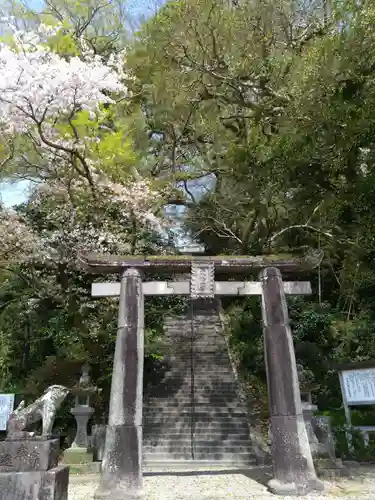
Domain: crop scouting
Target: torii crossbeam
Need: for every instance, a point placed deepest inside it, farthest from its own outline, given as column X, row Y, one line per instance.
column 121, row 477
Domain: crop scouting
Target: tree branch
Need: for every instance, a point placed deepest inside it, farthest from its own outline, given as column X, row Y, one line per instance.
column 299, row 226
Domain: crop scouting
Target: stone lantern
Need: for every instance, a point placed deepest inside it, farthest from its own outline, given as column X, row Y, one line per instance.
column 82, row 411
column 319, row 431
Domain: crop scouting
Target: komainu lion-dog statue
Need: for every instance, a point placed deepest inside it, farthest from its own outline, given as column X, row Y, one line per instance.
column 44, row 408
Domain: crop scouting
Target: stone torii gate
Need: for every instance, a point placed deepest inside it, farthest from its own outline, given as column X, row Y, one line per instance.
column 293, row 467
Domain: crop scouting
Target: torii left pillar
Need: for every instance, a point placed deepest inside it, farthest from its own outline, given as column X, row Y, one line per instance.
column 121, row 477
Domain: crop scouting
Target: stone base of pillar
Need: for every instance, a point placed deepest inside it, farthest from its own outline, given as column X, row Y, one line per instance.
column 294, row 472
column 122, row 464
column 331, row 468
column 120, row 494
column 295, row 489
column 76, row 455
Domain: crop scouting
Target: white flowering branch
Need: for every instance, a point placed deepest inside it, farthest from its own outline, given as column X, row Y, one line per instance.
column 40, row 91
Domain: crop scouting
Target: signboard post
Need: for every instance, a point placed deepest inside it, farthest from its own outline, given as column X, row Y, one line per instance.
column 6, row 408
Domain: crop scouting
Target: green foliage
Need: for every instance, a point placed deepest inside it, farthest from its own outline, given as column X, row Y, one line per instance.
column 261, row 118
column 322, row 339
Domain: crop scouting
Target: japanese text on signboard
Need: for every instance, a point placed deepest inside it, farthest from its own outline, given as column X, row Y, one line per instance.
column 6, row 408
column 359, row 386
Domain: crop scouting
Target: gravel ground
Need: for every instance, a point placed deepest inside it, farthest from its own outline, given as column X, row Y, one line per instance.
column 225, row 484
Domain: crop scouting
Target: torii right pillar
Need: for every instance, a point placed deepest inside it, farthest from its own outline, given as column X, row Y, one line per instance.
column 293, row 468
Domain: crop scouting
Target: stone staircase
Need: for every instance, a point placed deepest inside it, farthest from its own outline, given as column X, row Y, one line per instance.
column 191, row 411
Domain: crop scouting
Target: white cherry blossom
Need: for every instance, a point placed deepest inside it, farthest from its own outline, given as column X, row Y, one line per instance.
column 40, row 89
column 17, row 239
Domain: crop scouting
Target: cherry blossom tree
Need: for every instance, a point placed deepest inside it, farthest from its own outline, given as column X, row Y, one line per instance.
column 58, row 109
column 70, row 220
column 61, row 219
column 17, row 239
column 43, row 97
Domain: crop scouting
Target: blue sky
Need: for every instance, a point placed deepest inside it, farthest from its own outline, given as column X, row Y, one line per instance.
column 13, row 194
column 135, row 7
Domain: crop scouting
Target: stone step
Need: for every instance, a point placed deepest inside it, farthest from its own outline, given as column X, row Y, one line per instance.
column 185, row 391
column 199, row 451
column 203, row 357
column 191, row 341
column 185, row 441
column 185, row 372
column 198, row 404
column 213, row 385
column 166, row 420
column 165, row 428
column 180, row 330
column 198, row 318
column 227, row 417
column 186, row 396
column 201, row 393
column 206, row 440
column 197, row 412
column 196, row 386
column 220, row 375
column 211, row 435
column 220, row 421
column 202, row 328
column 185, row 355
column 201, row 325
column 183, row 348
column 210, row 385
column 217, row 425
column 215, row 432
column 198, row 409
column 197, row 329
column 186, row 335
column 223, row 458
column 182, row 367
column 198, row 398
column 184, row 445
column 204, row 351
column 177, row 385
column 208, row 367
column 151, row 463
column 180, row 335
column 188, row 343
column 150, row 434
column 151, row 438
column 199, row 442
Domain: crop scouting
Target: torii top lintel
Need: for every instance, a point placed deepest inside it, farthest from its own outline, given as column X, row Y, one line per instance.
column 101, row 263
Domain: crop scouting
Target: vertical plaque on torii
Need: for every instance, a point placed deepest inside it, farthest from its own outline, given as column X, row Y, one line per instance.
column 202, row 280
